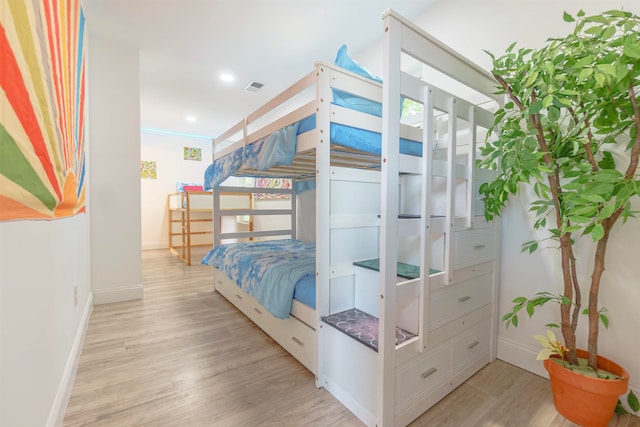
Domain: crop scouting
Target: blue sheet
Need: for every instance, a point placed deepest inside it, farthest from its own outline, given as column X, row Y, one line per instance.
column 305, row 291
column 281, row 149
column 269, row 271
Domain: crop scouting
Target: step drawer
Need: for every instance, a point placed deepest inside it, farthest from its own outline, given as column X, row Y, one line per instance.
column 472, row 247
column 470, row 345
column 420, row 376
column 454, row 301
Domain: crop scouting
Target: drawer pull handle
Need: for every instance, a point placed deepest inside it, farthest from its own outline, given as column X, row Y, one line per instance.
column 238, row 296
column 479, row 246
column 431, row 371
column 465, row 298
column 257, row 310
column 473, row 344
column 219, row 282
column 297, row 341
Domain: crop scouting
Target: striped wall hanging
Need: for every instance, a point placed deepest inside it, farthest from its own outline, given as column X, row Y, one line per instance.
column 42, row 159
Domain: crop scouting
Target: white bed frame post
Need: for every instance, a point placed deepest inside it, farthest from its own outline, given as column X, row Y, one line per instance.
column 389, row 220
column 217, row 218
column 323, row 211
column 451, row 189
column 425, row 212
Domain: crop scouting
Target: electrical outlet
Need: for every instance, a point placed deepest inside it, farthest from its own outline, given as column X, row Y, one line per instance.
column 75, row 295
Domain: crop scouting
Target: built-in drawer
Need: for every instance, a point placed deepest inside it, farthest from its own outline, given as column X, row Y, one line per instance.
column 420, row 376
column 259, row 315
column 298, row 339
column 230, row 290
column 453, row 301
column 472, row 247
column 470, row 345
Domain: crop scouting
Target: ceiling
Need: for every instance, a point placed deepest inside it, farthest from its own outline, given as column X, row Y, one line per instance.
column 185, row 45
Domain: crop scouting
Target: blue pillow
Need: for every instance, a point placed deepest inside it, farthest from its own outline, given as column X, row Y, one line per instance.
column 347, row 100
column 343, row 60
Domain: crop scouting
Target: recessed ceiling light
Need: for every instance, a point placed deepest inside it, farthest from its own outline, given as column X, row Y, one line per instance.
column 191, row 119
column 226, row 77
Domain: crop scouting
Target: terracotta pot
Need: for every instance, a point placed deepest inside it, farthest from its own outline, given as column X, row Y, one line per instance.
column 584, row 400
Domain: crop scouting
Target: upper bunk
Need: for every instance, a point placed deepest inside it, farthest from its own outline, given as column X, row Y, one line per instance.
column 340, row 104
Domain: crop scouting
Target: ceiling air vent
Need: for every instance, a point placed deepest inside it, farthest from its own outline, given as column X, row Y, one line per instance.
column 253, row 87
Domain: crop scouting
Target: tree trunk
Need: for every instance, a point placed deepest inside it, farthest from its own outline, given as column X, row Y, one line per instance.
column 594, row 315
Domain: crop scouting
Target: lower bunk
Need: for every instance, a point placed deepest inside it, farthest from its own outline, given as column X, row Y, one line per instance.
column 273, row 284
column 296, row 334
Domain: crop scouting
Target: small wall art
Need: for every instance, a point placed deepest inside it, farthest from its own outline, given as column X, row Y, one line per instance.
column 148, row 170
column 192, row 153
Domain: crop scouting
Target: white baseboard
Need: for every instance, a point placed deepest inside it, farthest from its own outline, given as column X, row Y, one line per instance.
column 521, row 356
column 59, row 408
column 119, row 294
column 155, row 245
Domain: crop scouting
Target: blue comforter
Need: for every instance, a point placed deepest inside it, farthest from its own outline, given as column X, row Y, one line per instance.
column 267, row 270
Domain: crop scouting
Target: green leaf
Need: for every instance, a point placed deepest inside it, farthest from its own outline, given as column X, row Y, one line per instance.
column 603, row 189
column 609, row 69
column 532, row 78
column 514, row 321
column 530, row 308
column 620, row 409
column 605, row 321
column 567, row 17
column 585, row 73
column 579, row 219
column 607, row 161
column 608, row 33
column 632, row 400
column 632, row 47
column 606, row 211
column 597, row 233
column 592, row 198
column 552, row 325
column 536, row 107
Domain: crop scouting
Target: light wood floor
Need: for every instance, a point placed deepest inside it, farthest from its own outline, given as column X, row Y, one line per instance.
column 184, row 356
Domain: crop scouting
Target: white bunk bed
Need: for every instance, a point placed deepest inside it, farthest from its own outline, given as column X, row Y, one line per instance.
column 383, row 219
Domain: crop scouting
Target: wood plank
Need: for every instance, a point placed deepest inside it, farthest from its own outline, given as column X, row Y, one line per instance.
column 184, row 356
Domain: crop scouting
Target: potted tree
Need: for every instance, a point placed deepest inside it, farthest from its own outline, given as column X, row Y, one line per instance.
column 570, row 128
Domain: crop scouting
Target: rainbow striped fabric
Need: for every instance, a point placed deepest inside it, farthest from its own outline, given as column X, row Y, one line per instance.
column 42, row 77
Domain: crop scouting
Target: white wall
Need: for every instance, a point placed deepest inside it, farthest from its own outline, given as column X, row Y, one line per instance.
column 41, row 329
column 114, row 156
column 493, row 25
column 167, row 150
